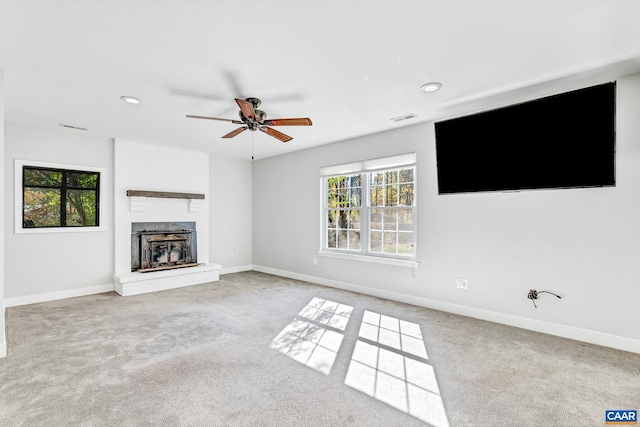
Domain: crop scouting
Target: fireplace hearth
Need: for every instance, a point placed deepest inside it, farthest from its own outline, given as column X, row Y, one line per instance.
column 157, row 246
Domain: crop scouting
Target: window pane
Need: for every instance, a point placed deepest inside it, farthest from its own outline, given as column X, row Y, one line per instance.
column 59, row 197
column 405, row 243
column 82, row 180
column 377, row 178
column 354, row 240
column 392, row 195
column 81, row 208
column 332, row 199
column 354, row 219
column 343, row 239
column 377, row 196
column 390, row 219
column 343, row 182
column 390, row 245
column 405, row 219
column 375, row 241
column 41, row 207
column 332, row 183
column 406, row 175
column 343, row 198
column 391, row 177
column 332, row 219
column 331, row 239
column 343, row 218
column 356, row 180
column 375, row 222
column 406, row 194
column 356, row 197
column 42, row 177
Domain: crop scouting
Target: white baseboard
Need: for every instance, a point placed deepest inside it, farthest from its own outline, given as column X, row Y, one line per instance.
column 593, row 337
column 52, row 296
column 71, row 293
column 236, row 269
column 599, row 338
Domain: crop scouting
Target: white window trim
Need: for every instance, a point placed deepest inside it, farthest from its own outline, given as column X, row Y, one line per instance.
column 367, row 166
column 408, row 159
column 19, row 197
column 370, row 258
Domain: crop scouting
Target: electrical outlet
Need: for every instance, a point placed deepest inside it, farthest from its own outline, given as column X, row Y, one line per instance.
column 462, row 284
column 315, row 261
column 231, row 254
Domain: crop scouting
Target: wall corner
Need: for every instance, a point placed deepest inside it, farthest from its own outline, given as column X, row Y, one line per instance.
column 3, row 341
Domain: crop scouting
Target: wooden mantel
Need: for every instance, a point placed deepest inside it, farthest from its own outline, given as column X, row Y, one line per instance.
column 163, row 194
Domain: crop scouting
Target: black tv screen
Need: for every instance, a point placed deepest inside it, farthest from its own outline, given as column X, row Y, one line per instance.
column 562, row 141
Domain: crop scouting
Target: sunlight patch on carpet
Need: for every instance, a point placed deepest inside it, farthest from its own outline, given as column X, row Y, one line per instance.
column 395, row 333
column 388, row 364
column 313, row 339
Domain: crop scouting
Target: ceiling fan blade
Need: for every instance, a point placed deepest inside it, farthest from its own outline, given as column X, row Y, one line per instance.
column 238, row 122
column 235, row 132
column 192, row 94
column 233, row 81
column 247, row 108
column 288, row 122
column 276, row 134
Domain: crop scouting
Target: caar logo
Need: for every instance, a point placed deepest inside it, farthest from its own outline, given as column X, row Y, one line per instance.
column 621, row 417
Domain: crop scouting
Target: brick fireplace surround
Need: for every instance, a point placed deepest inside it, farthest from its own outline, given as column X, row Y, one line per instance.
column 145, row 193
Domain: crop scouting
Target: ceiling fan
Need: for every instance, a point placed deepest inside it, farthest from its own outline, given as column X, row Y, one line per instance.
column 253, row 119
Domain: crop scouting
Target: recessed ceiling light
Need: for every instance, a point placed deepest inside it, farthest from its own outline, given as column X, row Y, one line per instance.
column 431, row 87
column 130, row 99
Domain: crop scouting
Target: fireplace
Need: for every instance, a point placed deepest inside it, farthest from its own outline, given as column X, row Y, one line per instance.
column 159, row 246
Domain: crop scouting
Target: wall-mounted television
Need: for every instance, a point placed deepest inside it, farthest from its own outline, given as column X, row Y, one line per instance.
column 562, row 141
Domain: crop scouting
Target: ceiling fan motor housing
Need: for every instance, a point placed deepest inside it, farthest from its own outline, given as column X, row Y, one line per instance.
column 254, row 101
column 260, row 117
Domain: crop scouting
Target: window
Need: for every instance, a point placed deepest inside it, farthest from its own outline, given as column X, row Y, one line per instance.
column 56, row 197
column 369, row 208
column 344, row 204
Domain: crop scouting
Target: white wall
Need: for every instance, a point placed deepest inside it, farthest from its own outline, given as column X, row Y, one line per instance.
column 85, row 262
column 147, row 167
column 580, row 243
column 230, row 184
column 37, row 264
column 3, row 341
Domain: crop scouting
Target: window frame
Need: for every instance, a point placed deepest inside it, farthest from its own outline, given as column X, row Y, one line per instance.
column 366, row 169
column 19, row 166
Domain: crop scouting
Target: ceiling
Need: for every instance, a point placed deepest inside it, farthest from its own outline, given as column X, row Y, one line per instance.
column 349, row 65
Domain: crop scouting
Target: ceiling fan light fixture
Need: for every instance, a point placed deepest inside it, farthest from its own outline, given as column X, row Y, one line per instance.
column 130, row 99
column 431, row 87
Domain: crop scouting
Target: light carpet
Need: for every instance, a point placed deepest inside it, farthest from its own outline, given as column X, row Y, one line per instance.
column 261, row 350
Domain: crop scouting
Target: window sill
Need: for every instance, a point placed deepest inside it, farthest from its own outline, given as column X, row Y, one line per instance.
column 44, row 230
column 373, row 259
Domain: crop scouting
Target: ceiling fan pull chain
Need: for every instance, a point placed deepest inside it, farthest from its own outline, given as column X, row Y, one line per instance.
column 251, row 145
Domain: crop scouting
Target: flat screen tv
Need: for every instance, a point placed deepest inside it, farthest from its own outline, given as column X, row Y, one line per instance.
column 562, row 141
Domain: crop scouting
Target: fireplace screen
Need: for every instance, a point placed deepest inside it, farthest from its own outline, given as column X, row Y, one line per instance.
column 162, row 245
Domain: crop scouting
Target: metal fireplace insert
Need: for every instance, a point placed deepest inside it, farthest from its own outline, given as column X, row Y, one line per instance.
column 163, row 245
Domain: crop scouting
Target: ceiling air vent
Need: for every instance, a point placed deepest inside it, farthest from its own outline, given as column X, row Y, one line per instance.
column 72, row 127
column 405, row 117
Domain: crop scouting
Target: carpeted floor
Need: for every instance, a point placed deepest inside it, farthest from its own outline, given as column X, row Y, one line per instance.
column 261, row 350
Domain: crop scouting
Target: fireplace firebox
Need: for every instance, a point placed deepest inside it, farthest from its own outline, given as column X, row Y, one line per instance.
column 163, row 245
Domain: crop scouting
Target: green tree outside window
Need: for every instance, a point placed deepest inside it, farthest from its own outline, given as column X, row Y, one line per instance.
column 60, row 198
